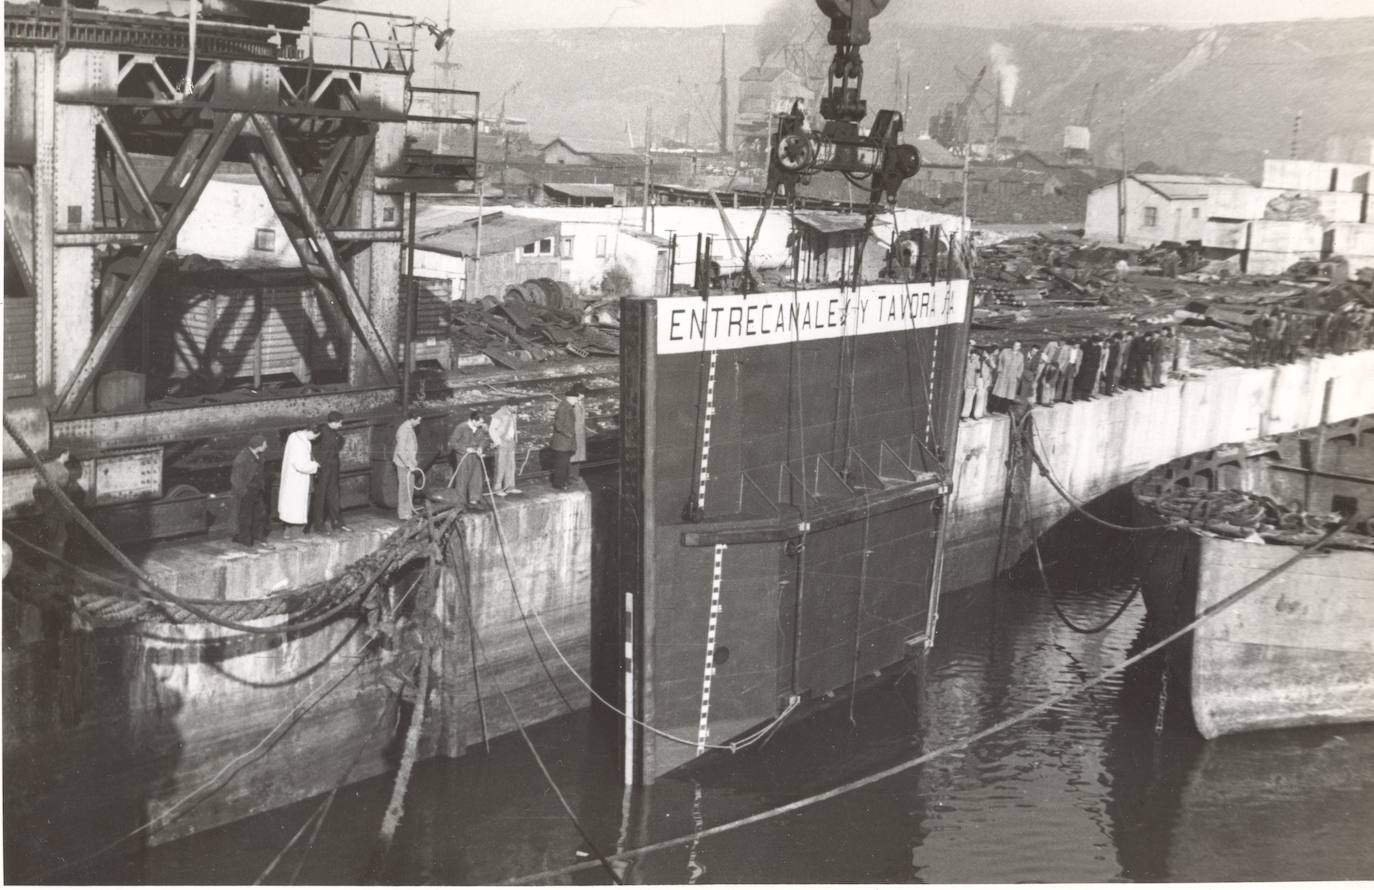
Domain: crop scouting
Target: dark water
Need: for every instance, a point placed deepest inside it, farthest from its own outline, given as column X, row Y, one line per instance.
column 1095, row 790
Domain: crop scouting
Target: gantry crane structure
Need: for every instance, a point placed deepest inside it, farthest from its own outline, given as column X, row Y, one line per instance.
column 118, row 124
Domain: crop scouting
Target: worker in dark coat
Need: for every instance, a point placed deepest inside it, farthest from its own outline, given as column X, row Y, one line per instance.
column 53, row 519
column 1115, row 354
column 1260, row 327
column 248, row 481
column 564, row 440
column 325, row 511
column 469, row 443
column 1089, row 369
column 1293, row 334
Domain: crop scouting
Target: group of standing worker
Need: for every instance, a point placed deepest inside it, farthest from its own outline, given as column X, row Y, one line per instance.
column 1279, row 336
column 307, row 488
column 472, row 440
column 1070, row 370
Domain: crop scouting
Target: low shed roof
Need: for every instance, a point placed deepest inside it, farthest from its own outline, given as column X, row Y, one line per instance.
column 500, row 233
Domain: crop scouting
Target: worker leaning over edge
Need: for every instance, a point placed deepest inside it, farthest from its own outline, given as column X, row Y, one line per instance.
column 469, row 442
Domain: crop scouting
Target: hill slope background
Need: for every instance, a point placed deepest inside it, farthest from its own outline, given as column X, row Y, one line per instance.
column 1216, row 100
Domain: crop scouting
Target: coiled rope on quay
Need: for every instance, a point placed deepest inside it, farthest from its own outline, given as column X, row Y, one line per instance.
column 1001, row 726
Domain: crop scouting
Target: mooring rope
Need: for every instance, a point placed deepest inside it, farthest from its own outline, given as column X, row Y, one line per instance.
column 126, row 604
column 520, row 725
column 161, row 605
column 320, row 813
column 519, row 604
column 1048, row 472
column 299, row 710
column 1002, row 725
column 1058, row 610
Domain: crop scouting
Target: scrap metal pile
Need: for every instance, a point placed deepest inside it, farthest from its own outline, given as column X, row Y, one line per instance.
column 1246, row 515
column 519, row 330
column 1066, row 269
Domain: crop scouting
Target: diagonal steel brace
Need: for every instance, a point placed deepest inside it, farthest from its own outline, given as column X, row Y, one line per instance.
column 227, row 128
column 127, row 165
column 323, row 255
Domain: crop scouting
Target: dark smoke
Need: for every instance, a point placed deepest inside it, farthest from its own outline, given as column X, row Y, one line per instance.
column 786, row 21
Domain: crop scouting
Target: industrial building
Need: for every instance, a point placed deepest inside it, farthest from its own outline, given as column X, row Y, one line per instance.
column 1301, row 210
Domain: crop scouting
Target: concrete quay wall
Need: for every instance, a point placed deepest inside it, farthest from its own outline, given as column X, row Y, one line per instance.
column 108, row 729
column 1096, row 446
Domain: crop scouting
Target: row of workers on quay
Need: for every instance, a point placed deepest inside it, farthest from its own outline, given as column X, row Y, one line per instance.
column 308, row 494
column 1281, row 336
column 1070, row 371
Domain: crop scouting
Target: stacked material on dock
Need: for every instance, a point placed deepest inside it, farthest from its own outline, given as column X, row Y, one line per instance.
column 517, row 331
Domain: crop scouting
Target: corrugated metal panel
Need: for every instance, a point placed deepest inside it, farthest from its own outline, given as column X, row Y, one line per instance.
column 431, row 307
column 21, row 352
column 267, row 330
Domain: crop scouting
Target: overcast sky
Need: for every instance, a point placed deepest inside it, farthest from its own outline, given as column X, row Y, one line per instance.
column 697, row 13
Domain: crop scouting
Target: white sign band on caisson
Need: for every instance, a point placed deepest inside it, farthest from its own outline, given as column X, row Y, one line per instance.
column 737, row 321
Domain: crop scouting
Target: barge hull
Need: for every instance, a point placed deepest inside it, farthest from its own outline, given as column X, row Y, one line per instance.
column 1296, row 652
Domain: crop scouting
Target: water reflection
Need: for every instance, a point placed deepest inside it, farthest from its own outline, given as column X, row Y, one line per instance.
column 1089, row 791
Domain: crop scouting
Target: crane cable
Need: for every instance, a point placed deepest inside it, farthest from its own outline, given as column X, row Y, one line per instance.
column 1020, row 717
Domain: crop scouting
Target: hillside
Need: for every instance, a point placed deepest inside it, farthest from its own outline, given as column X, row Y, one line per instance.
column 1214, row 100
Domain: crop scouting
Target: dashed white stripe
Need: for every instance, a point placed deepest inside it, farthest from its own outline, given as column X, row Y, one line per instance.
column 709, row 671
column 706, row 433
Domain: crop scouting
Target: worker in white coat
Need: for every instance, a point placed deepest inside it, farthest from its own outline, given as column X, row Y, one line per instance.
column 297, row 466
column 503, row 434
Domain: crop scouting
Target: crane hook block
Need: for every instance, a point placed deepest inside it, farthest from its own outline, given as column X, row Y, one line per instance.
column 849, row 20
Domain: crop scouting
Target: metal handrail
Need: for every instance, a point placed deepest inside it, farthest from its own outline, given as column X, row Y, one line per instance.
column 69, row 17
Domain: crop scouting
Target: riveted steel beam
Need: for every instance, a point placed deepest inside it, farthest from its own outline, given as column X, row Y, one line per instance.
column 227, row 128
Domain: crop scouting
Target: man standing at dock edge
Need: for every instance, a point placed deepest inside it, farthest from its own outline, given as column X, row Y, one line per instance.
column 248, row 480
column 564, row 441
column 503, row 435
column 405, row 456
column 297, row 466
column 324, row 501
column 579, row 429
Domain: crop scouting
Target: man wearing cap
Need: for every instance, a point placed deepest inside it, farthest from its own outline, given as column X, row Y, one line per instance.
column 248, row 480
column 564, row 441
column 324, row 505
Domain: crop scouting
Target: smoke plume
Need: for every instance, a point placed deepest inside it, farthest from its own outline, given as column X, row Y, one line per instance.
column 1007, row 73
column 784, row 22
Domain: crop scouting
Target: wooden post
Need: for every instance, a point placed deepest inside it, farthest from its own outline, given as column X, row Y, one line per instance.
column 1321, row 429
column 1318, row 447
